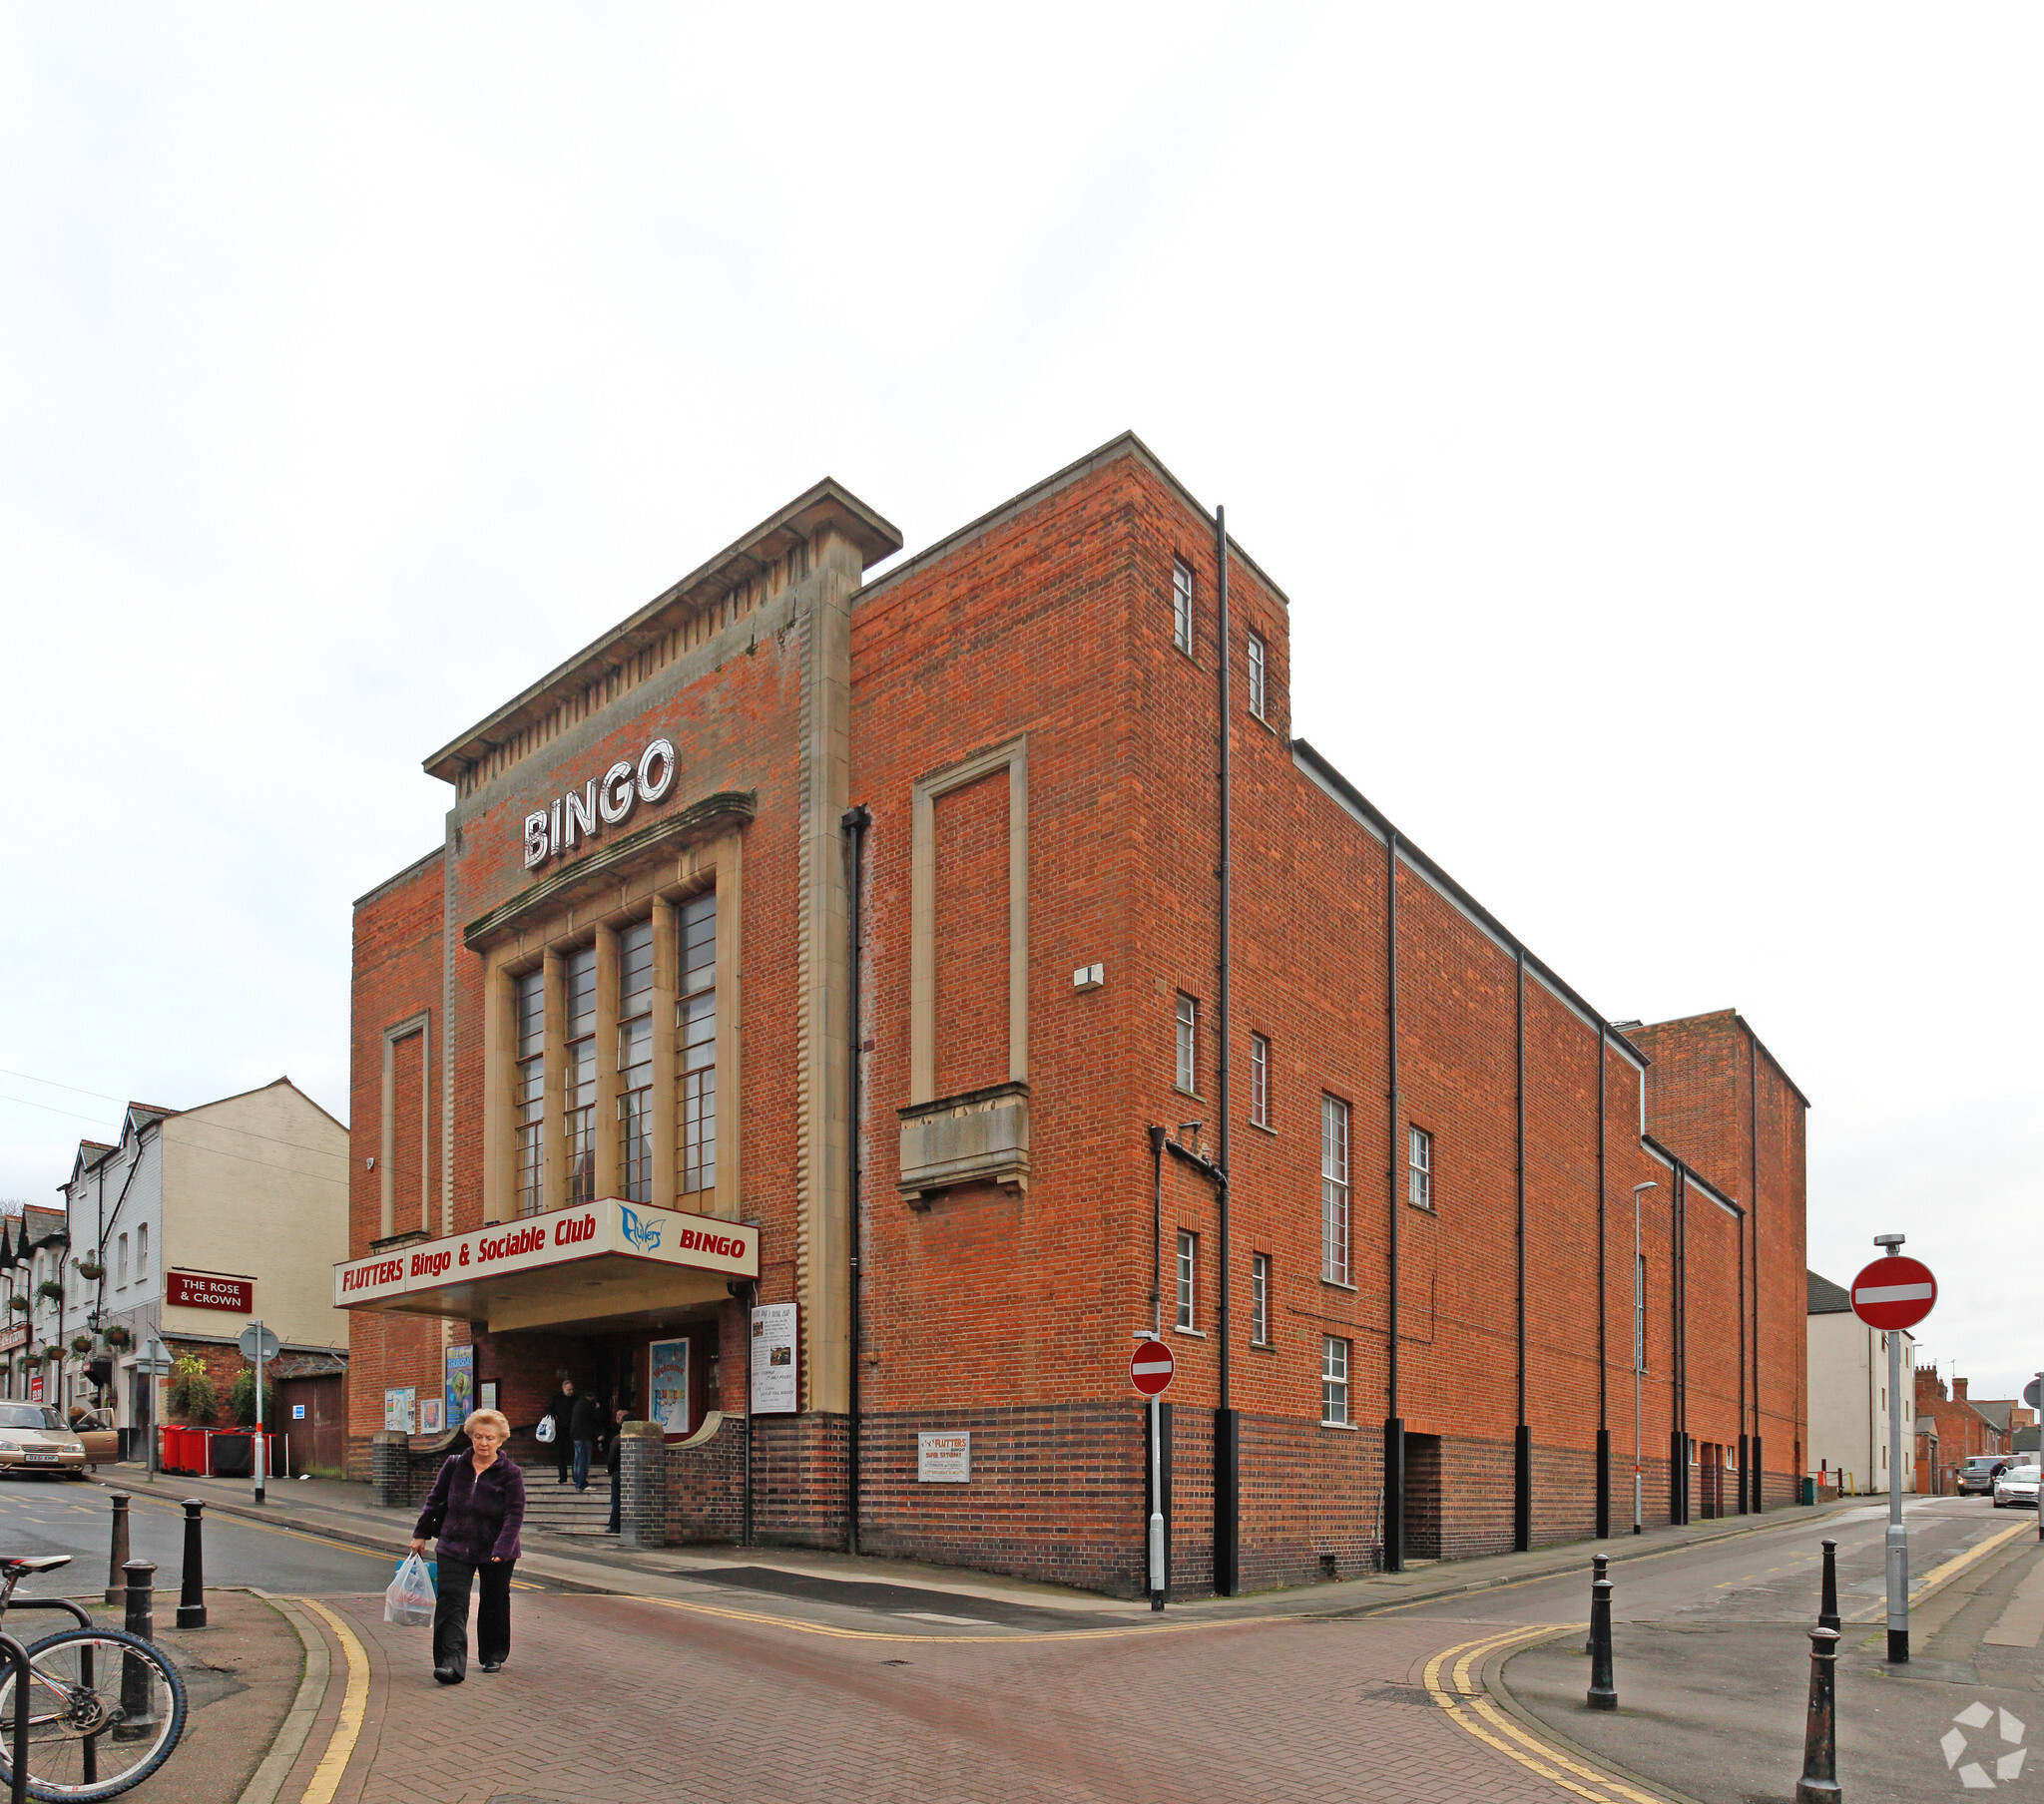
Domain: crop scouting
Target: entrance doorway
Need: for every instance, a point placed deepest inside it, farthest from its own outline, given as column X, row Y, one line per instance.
column 1422, row 1496
column 1709, row 1480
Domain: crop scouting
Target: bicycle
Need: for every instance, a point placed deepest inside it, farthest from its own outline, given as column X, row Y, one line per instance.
column 105, row 1709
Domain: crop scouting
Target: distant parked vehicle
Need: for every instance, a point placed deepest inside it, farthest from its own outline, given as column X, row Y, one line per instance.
column 34, row 1438
column 2016, row 1487
column 1977, row 1475
column 101, row 1438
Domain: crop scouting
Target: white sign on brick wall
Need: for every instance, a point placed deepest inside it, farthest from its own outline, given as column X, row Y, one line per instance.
column 943, row 1458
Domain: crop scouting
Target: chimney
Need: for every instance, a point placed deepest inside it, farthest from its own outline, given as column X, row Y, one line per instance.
column 1958, row 1388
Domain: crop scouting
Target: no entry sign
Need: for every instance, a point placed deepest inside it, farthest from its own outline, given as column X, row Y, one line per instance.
column 1150, row 1367
column 1893, row 1293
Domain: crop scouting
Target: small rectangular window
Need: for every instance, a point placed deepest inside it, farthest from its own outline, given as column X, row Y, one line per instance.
column 142, row 1252
column 1260, row 1080
column 1334, row 1189
column 1257, row 662
column 1419, row 1167
column 120, row 1264
column 1180, row 607
column 1188, row 1030
column 1260, row 1300
column 1187, row 1265
column 1333, row 1382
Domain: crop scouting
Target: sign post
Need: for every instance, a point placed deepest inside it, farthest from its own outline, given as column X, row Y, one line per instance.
column 1150, row 1370
column 2033, row 1395
column 1895, row 1295
column 259, row 1344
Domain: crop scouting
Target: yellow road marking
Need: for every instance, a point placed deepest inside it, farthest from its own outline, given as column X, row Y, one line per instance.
column 1464, row 1702
column 877, row 1635
column 1939, row 1573
column 355, row 1703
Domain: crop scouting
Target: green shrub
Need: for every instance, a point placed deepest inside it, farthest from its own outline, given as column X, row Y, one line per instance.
column 190, row 1390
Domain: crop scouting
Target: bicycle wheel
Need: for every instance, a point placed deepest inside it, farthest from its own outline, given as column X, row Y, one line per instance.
column 104, row 1710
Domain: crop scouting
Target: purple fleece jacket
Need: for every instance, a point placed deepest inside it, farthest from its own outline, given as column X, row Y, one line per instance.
column 479, row 1514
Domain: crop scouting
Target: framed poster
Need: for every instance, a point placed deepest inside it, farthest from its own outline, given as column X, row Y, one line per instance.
column 774, row 1364
column 487, row 1391
column 667, row 1385
column 432, row 1416
column 400, row 1408
column 460, row 1383
column 943, row 1458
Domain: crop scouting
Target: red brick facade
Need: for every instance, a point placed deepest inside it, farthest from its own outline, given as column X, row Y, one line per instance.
column 1005, row 1305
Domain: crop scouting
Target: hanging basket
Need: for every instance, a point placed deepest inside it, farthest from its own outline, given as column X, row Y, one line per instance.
column 119, row 1339
column 20, row 1303
column 53, row 1354
column 31, row 1358
column 52, row 1289
column 81, row 1344
column 91, row 1270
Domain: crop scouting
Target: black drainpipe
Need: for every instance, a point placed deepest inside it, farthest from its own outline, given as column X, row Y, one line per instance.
column 855, row 823
column 1395, row 1424
column 1227, row 1422
column 1753, row 1206
column 1522, row 1436
column 751, row 1301
column 1603, row 1312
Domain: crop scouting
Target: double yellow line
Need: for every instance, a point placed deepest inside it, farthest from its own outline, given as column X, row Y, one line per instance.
column 1460, row 1692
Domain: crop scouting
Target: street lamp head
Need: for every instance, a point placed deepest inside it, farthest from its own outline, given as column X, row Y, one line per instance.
column 1889, row 1241
column 1651, row 1183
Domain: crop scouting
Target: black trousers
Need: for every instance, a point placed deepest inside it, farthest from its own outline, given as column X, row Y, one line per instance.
column 492, row 1616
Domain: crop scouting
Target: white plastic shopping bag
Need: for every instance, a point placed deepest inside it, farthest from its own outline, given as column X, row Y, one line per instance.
column 542, row 1431
column 409, row 1601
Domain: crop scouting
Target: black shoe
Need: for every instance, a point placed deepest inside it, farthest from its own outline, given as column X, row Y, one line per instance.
column 493, row 1666
column 447, row 1675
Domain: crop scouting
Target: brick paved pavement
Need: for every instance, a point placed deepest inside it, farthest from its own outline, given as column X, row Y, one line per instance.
column 615, row 1700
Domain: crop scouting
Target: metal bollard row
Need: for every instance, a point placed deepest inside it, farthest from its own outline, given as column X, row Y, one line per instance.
column 1603, row 1692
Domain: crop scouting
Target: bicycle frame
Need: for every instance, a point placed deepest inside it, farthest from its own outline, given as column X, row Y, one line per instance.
column 16, row 1657
column 9, row 1648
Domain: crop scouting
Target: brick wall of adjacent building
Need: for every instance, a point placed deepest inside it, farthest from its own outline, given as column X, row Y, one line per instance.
column 1009, row 1312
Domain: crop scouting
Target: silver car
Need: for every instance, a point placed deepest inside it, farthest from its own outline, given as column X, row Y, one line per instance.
column 34, row 1438
column 2016, row 1487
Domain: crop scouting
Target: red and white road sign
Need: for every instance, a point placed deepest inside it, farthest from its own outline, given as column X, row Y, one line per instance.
column 1893, row 1293
column 1150, row 1367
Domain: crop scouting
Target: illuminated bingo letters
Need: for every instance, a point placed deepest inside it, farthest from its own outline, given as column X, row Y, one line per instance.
column 603, row 801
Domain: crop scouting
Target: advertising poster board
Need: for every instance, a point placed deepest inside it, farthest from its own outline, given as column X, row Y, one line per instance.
column 667, row 1385
column 487, row 1391
column 773, row 1361
column 460, row 1383
column 432, row 1416
column 943, row 1458
column 400, row 1408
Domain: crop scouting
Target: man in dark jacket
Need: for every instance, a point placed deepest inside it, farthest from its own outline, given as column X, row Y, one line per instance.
column 585, row 1426
column 561, row 1413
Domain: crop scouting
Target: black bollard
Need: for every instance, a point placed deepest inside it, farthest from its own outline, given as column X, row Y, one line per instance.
column 117, row 1581
column 1819, row 1781
column 191, row 1583
column 1603, row 1693
column 137, row 1723
column 1827, row 1605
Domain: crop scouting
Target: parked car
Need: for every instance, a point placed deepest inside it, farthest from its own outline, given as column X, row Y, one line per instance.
column 34, row 1438
column 2016, row 1487
column 102, row 1439
column 1977, row 1475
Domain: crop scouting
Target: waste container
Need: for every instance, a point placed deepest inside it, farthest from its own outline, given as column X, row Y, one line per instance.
column 231, row 1454
column 174, row 1455
column 1809, row 1492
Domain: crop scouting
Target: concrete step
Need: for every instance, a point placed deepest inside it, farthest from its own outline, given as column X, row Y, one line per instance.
column 556, row 1509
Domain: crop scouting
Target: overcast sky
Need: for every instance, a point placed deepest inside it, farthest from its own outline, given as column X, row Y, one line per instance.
column 1640, row 406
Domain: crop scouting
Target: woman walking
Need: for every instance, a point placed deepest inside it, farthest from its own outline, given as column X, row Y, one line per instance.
column 476, row 1507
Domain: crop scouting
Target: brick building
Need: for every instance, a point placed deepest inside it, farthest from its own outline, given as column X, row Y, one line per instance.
column 819, row 910
column 1959, row 1428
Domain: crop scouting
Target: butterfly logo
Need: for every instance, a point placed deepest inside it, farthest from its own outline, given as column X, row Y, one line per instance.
column 645, row 1235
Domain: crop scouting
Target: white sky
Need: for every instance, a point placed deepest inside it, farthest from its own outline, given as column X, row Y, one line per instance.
column 1640, row 405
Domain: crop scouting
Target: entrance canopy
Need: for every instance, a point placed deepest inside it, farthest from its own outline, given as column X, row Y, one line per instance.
column 598, row 1266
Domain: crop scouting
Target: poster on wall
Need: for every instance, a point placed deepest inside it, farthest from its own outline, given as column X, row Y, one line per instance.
column 35, row 1387
column 773, row 1373
column 432, row 1416
column 487, row 1390
column 943, row 1458
column 460, row 1384
column 400, row 1409
column 667, row 1385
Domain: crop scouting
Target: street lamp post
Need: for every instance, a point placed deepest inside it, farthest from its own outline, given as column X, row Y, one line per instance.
column 1897, row 1536
column 1639, row 1347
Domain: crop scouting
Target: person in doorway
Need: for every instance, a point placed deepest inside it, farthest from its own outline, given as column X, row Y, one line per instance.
column 476, row 1507
column 617, row 1465
column 561, row 1412
column 584, row 1424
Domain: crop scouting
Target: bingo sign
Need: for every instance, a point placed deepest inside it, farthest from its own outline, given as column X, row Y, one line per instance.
column 202, row 1291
